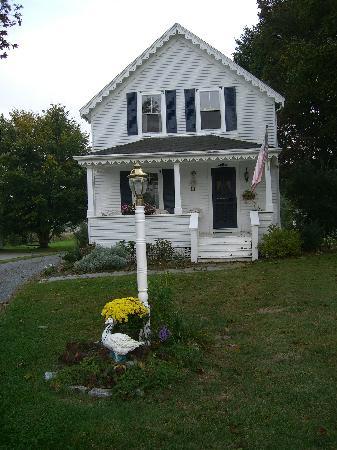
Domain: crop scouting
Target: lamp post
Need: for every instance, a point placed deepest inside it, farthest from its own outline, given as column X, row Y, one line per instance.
column 138, row 185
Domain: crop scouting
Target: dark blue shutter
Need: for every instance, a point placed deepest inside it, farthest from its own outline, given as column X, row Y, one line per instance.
column 131, row 101
column 171, row 115
column 168, row 190
column 126, row 195
column 190, row 110
column 230, row 108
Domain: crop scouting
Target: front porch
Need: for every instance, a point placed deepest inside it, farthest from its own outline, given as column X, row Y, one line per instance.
column 198, row 198
column 182, row 230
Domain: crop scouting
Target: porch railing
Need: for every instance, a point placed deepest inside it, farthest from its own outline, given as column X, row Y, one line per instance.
column 109, row 230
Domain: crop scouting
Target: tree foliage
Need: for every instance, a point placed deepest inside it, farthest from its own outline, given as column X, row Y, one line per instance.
column 10, row 15
column 42, row 187
column 293, row 48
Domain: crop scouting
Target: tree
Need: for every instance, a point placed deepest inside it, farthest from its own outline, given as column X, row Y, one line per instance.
column 10, row 15
column 293, row 48
column 42, row 187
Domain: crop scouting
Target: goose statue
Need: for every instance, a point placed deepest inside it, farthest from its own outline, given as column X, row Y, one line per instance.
column 118, row 343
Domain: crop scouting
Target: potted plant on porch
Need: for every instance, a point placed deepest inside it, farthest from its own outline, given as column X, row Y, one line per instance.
column 248, row 195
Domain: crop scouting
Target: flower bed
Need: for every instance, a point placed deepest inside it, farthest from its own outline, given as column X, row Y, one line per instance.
column 174, row 352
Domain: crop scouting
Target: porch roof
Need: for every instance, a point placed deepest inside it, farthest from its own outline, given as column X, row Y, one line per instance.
column 175, row 149
column 177, row 144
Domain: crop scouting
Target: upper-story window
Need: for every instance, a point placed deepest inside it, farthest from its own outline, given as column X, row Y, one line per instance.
column 210, row 113
column 151, row 113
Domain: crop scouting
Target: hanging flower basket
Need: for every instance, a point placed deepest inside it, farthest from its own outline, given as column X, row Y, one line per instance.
column 248, row 195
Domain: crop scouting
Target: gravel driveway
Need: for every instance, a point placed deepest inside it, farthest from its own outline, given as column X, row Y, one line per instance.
column 14, row 274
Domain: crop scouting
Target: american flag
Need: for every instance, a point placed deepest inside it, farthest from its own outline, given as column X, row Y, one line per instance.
column 261, row 160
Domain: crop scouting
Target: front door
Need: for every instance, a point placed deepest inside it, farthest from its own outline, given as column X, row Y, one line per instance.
column 224, row 197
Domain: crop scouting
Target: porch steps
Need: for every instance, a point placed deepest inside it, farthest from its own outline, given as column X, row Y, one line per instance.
column 228, row 247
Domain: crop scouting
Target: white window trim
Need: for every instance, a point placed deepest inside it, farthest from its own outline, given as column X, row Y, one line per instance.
column 198, row 113
column 140, row 113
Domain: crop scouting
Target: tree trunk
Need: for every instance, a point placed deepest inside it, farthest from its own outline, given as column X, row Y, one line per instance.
column 44, row 238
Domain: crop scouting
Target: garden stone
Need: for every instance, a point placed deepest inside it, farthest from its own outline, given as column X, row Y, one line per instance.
column 99, row 392
column 79, row 388
column 49, row 375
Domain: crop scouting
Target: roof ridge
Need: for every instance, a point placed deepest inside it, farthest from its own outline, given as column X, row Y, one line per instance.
column 177, row 29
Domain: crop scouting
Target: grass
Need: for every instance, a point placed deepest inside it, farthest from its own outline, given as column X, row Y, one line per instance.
column 54, row 247
column 268, row 381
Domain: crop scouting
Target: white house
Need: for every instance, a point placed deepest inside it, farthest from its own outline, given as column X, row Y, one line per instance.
column 195, row 122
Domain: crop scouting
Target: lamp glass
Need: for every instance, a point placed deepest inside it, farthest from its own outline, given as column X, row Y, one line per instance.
column 132, row 186
column 138, row 185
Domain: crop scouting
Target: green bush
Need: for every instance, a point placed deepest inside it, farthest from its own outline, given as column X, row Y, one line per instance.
column 159, row 253
column 102, row 258
column 77, row 253
column 330, row 242
column 81, row 247
column 312, row 236
column 73, row 255
column 81, row 235
column 280, row 243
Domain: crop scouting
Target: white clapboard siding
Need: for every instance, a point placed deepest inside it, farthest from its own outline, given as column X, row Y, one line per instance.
column 200, row 198
column 179, row 65
column 107, row 231
column 107, row 189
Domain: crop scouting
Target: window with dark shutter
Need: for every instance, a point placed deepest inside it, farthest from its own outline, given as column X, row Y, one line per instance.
column 151, row 113
column 230, row 108
column 131, row 102
column 126, row 195
column 168, row 190
column 171, row 111
column 210, row 114
column 190, row 110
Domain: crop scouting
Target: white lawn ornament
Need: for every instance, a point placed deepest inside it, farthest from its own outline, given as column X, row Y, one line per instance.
column 120, row 344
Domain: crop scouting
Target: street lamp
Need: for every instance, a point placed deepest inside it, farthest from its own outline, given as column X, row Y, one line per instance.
column 138, row 185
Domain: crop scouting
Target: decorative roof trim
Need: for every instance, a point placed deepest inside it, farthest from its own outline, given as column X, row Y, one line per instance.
column 210, row 155
column 177, row 29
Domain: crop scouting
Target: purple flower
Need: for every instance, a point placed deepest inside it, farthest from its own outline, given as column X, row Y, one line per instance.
column 164, row 334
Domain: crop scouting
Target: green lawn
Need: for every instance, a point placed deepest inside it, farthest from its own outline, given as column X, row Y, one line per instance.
column 269, row 378
column 54, row 246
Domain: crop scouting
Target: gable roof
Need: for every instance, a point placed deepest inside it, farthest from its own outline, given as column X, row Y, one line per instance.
column 177, row 29
column 177, row 144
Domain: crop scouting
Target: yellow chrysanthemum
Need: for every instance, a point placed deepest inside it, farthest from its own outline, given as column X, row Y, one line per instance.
column 120, row 309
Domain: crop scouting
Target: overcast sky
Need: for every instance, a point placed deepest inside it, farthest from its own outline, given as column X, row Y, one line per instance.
column 69, row 49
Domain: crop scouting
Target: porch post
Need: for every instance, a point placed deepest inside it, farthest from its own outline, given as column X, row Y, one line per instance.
column 90, row 188
column 269, row 195
column 177, row 192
